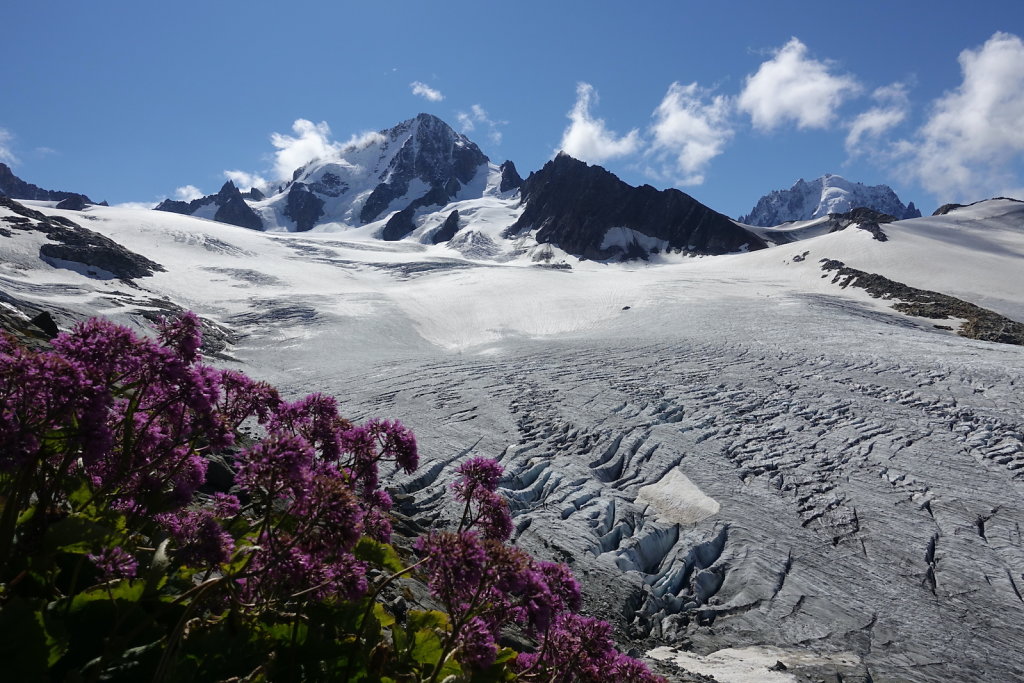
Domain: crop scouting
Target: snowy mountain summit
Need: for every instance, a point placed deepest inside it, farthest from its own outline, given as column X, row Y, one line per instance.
column 418, row 163
column 829, row 194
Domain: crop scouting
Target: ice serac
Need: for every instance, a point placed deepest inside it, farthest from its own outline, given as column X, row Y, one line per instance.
column 226, row 206
column 14, row 187
column 829, row 194
column 574, row 206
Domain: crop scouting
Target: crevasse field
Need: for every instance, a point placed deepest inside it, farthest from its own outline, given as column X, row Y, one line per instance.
column 744, row 462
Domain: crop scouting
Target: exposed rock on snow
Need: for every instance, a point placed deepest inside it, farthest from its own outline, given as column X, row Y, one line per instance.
column 979, row 323
column 829, row 194
column 226, row 206
column 573, row 205
column 448, row 229
column 14, row 187
column 72, row 246
column 510, row 178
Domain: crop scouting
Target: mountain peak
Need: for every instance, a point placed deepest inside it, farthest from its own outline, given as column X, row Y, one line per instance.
column 828, row 194
column 588, row 211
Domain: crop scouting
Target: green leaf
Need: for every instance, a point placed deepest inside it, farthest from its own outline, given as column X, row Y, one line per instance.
column 383, row 616
column 419, row 619
column 78, row 535
column 378, row 554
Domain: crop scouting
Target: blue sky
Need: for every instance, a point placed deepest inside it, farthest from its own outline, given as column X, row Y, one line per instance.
column 132, row 102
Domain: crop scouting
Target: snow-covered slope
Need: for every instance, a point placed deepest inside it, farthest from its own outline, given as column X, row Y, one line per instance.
column 849, row 475
column 825, row 195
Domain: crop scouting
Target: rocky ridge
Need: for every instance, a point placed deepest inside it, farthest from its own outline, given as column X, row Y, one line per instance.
column 69, row 244
column 590, row 212
column 227, row 206
column 14, row 187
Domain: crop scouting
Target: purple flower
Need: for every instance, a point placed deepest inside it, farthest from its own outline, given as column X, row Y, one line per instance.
column 278, row 462
column 476, row 644
column 184, row 334
column 114, row 563
column 396, row 443
column 478, row 473
column 580, row 649
column 456, row 565
column 200, row 539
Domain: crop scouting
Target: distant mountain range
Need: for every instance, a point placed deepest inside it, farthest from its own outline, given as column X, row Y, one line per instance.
column 424, row 181
column 829, row 194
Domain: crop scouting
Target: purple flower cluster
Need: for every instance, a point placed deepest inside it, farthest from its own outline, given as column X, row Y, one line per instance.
column 580, row 649
column 114, row 563
column 110, row 423
column 484, row 509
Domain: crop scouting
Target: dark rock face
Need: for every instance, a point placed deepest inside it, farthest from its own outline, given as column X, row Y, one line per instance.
column 45, row 322
column 14, row 187
column 72, row 243
column 231, row 207
column 946, row 208
column 911, row 212
column 435, row 154
column 448, row 230
column 76, row 203
column 254, row 194
column 234, row 210
column 399, row 225
column 510, row 178
column 176, row 206
column 330, row 185
column 573, row 205
column 303, row 207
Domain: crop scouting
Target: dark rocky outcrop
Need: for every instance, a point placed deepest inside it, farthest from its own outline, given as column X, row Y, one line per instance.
column 45, row 322
column 177, row 206
column 435, row 154
column 399, row 225
column 946, row 208
column 448, row 230
column 573, row 206
column 979, row 323
column 303, row 207
column 76, row 203
column 510, row 178
column 14, row 187
column 70, row 242
column 254, row 194
column 231, row 207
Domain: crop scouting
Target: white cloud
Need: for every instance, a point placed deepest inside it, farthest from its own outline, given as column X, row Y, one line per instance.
column 869, row 126
column 311, row 141
column 246, row 181
column 974, row 135
column 135, row 205
column 588, row 138
column 187, row 193
column 425, row 91
column 6, row 155
column 478, row 115
column 361, row 140
column 793, row 87
column 690, row 129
